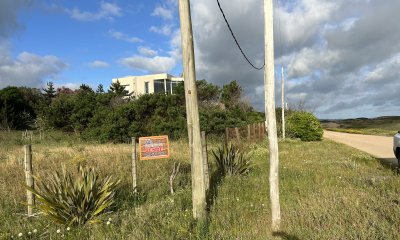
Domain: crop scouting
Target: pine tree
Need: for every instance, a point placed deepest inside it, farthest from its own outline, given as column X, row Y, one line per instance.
column 118, row 89
column 100, row 89
column 50, row 91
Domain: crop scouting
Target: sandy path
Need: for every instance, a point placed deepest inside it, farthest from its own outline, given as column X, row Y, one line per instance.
column 378, row 146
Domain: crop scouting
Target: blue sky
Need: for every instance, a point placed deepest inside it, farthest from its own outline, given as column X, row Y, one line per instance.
column 341, row 58
column 92, row 38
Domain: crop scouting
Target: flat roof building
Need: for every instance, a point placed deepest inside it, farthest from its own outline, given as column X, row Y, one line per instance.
column 155, row 83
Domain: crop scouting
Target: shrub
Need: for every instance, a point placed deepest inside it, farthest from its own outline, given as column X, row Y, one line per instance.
column 231, row 161
column 305, row 126
column 76, row 200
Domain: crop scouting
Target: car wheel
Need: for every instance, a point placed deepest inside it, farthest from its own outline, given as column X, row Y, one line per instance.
column 398, row 156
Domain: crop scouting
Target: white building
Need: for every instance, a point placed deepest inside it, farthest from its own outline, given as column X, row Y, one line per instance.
column 155, row 83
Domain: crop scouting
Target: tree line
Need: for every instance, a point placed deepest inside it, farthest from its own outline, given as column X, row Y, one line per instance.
column 115, row 116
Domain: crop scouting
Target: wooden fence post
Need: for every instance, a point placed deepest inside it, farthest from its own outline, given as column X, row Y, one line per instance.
column 237, row 134
column 251, row 132
column 226, row 136
column 263, row 129
column 248, row 133
column 134, row 168
column 30, row 198
column 205, row 159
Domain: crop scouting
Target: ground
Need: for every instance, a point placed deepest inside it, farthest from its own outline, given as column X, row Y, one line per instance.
column 380, row 147
column 327, row 191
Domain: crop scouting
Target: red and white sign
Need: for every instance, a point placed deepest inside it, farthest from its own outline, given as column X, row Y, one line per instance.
column 153, row 147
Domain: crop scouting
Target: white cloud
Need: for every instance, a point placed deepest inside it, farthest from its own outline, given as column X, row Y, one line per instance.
column 342, row 56
column 122, row 36
column 107, row 11
column 99, row 64
column 165, row 13
column 146, row 51
column 164, row 30
column 308, row 60
column 157, row 64
column 29, row 69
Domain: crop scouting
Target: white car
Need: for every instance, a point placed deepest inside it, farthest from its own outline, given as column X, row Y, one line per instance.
column 396, row 146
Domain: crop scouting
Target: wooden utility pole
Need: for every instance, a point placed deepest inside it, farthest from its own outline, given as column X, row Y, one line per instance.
column 192, row 112
column 283, row 104
column 205, row 160
column 269, row 88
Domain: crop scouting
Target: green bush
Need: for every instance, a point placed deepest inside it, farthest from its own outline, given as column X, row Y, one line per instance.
column 305, row 126
column 230, row 161
column 75, row 200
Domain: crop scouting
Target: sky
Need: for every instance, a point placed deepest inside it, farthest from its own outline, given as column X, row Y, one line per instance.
column 341, row 58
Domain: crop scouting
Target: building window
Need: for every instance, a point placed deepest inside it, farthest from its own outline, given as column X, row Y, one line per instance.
column 146, row 87
column 169, row 87
column 159, row 86
column 173, row 85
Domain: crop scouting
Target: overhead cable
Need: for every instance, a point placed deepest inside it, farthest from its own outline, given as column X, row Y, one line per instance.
column 237, row 43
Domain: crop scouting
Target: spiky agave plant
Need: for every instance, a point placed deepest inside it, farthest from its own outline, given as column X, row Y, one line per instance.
column 75, row 200
column 231, row 161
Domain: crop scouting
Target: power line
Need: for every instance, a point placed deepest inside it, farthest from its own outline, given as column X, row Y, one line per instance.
column 237, row 43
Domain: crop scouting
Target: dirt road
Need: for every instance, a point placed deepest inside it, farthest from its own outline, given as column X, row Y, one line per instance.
column 378, row 146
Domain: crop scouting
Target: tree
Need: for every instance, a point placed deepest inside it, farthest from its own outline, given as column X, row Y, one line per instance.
column 83, row 107
column 50, row 91
column 231, row 94
column 59, row 112
column 207, row 93
column 16, row 112
column 100, row 89
column 64, row 90
column 85, row 88
column 118, row 89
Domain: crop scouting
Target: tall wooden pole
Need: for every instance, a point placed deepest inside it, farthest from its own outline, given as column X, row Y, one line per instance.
column 283, row 104
column 192, row 112
column 269, row 88
column 134, row 168
column 205, row 160
column 30, row 198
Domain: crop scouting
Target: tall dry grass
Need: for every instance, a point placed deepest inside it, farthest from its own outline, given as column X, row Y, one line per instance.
column 328, row 191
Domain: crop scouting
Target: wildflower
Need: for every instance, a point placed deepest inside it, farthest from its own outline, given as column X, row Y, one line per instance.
column 108, row 222
column 68, row 228
column 29, row 233
column 34, row 230
column 237, row 199
column 20, row 234
column 58, row 230
column 109, row 219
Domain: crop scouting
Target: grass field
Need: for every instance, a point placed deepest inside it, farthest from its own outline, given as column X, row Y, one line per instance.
column 328, row 191
column 383, row 126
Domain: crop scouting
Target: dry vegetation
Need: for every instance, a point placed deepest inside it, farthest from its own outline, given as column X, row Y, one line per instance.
column 328, row 191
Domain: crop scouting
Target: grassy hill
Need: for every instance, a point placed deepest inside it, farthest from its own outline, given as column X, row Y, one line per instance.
column 385, row 126
column 328, row 191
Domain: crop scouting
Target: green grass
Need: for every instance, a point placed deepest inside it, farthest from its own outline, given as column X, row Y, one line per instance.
column 365, row 131
column 328, row 191
column 382, row 126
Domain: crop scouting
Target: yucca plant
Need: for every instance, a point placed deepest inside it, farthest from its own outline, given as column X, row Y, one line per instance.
column 75, row 200
column 231, row 161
